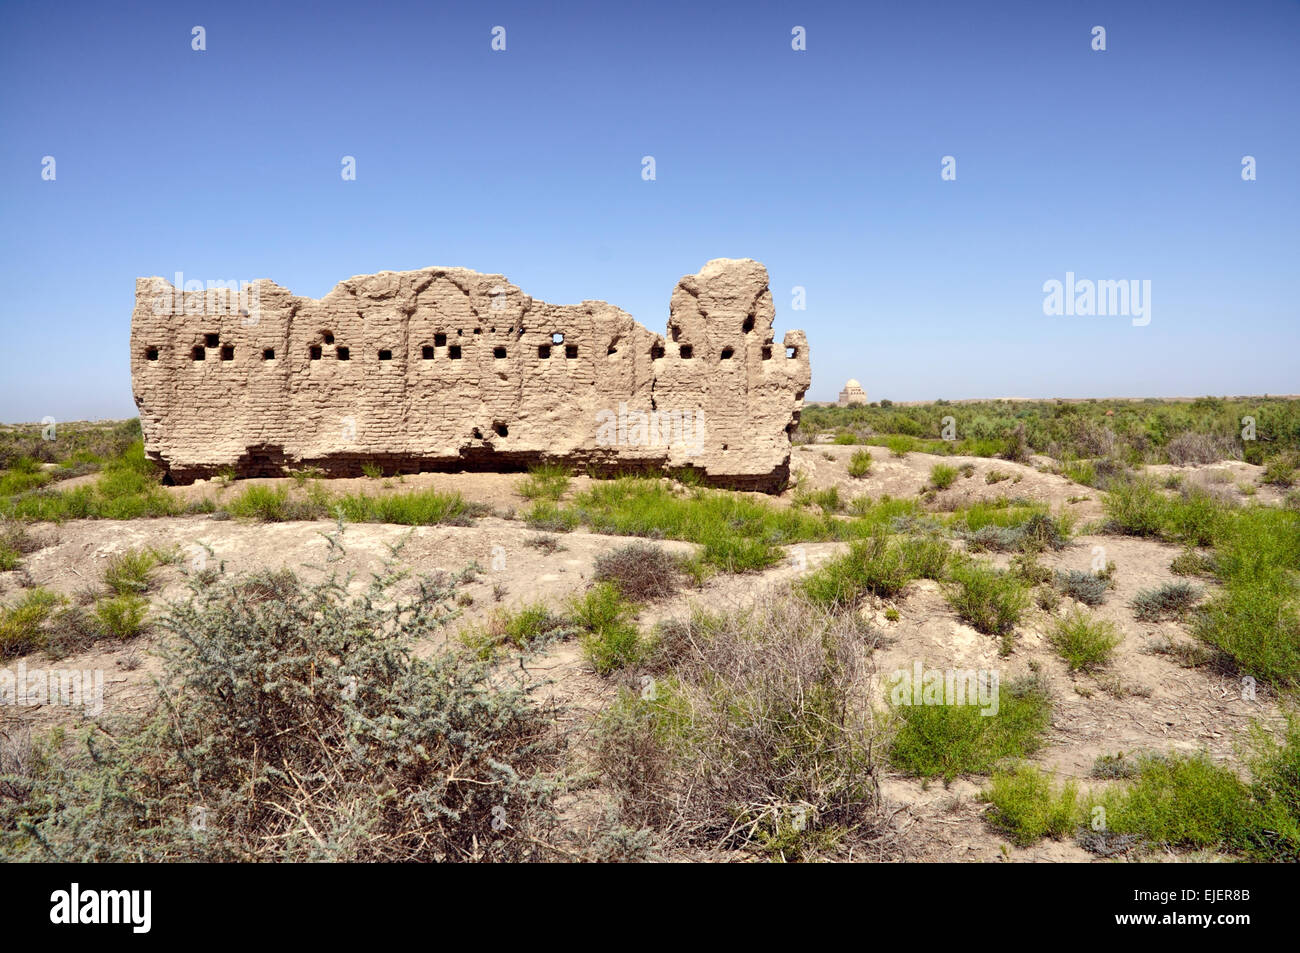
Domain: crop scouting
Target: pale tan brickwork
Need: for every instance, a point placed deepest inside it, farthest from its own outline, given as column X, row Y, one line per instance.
column 445, row 368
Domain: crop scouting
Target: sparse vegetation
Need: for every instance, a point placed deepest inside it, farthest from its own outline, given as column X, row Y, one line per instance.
column 1192, row 563
column 122, row 616
column 127, row 488
column 640, row 571
column 1280, row 470
column 1255, row 619
column 130, row 573
column 944, row 741
column 875, row 566
column 860, row 464
column 550, row 518
column 1026, row 805
column 524, row 629
column 991, row 600
column 21, row 622
column 1085, row 642
column 942, row 476
column 15, row 543
column 1133, row 432
column 282, row 690
column 751, row 734
column 1175, row 801
column 416, row 508
column 1087, row 587
column 899, row 446
column 544, row 482
column 1168, row 601
column 827, row 500
column 610, row 637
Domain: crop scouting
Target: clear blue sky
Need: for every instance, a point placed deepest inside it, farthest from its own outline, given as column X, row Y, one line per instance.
column 823, row 164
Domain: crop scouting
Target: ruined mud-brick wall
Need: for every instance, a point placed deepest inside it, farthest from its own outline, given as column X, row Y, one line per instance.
column 445, row 368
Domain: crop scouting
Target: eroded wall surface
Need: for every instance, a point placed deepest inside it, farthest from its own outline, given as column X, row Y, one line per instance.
column 445, row 368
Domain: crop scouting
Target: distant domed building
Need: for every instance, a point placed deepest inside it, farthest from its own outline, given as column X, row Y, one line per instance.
column 852, row 394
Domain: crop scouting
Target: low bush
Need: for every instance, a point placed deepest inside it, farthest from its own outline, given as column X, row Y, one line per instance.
column 21, row 622
column 640, row 571
column 131, row 572
column 548, row 517
column 15, row 543
column 544, row 482
column 751, row 735
column 122, row 617
column 417, row 508
column 610, row 637
column 1168, row 601
column 1086, row 643
column 525, row 628
column 1025, row 804
column 860, row 463
column 948, row 740
column 357, row 749
column 990, row 600
column 1087, row 587
column 942, row 476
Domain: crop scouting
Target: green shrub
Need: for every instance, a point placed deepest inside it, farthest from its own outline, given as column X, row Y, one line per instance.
column 1136, row 508
column 925, row 557
column 1085, row 643
column 1255, row 619
column 1181, row 801
column 942, row 476
column 126, row 489
column 610, row 638
column 947, row 740
column 1083, row 472
column 1167, row 601
column 524, row 628
column 751, row 735
column 899, row 446
column 990, row 600
column 549, row 517
column 358, row 750
column 738, row 534
column 1280, row 470
column 416, row 508
column 827, row 500
column 1191, row 563
column 21, row 623
column 1196, row 518
column 1275, row 765
column 1087, row 587
column 1025, row 804
column 259, row 502
column 130, row 572
column 872, row 566
column 845, row 439
column 544, row 482
column 15, row 543
column 1027, row 567
column 860, row 463
column 122, row 616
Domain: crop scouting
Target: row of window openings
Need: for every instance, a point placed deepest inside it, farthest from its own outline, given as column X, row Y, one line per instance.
column 227, row 352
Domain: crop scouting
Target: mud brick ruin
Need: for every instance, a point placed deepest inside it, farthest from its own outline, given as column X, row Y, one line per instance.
column 447, row 369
